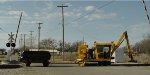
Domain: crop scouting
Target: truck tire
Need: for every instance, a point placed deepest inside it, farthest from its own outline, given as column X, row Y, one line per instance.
column 45, row 64
column 28, row 64
column 82, row 64
column 99, row 63
column 106, row 63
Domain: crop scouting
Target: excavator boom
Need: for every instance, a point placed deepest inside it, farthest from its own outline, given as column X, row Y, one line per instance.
column 123, row 37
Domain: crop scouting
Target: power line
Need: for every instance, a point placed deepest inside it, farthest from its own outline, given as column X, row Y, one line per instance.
column 91, row 12
column 2, row 30
column 80, row 30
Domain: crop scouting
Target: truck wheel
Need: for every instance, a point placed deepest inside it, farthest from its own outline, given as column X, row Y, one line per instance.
column 82, row 64
column 45, row 64
column 28, row 64
column 104, row 63
column 108, row 63
column 99, row 63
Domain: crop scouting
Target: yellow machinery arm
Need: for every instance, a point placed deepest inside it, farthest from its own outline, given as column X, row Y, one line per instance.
column 118, row 43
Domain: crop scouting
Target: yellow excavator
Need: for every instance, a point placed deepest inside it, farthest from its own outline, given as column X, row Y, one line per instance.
column 102, row 52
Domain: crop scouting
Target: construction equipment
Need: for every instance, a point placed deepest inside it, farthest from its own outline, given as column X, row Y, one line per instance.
column 102, row 52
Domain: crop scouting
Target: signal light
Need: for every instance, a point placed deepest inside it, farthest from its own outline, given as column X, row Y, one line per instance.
column 13, row 44
column 8, row 44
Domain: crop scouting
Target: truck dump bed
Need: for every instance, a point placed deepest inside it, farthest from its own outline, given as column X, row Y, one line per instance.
column 36, row 55
column 29, row 57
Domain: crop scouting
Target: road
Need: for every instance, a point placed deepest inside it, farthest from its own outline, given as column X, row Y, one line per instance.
column 74, row 69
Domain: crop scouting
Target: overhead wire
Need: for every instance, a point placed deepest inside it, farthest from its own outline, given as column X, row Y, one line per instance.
column 90, row 12
column 79, row 29
column 2, row 30
column 40, row 19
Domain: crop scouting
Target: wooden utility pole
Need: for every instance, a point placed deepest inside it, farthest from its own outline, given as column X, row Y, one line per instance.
column 39, row 35
column 62, row 6
column 24, row 42
column 31, row 40
column 21, row 41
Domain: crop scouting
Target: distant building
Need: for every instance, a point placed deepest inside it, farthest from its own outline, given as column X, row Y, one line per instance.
column 2, row 51
column 119, row 56
column 53, row 52
column 3, row 54
column 113, row 60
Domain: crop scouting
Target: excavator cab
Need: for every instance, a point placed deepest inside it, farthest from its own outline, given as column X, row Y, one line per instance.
column 103, row 51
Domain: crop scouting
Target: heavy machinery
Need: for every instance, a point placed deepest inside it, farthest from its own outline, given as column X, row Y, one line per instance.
column 102, row 52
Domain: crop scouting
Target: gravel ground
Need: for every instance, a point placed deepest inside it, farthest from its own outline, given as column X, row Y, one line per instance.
column 73, row 69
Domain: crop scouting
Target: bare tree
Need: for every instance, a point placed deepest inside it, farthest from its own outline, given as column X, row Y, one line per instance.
column 144, row 45
column 69, row 46
column 48, row 43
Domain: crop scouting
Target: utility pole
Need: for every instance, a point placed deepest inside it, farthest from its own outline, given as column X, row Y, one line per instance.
column 24, row 41
column 11, row 41
column 21, row 44
column 62, row 6
column 31, row 40
column 39, row 35
column 11, row 46
column 21, row 41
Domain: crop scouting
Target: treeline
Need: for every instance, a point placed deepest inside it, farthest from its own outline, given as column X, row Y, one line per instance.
column 144, row 45
column 140, row 47
column 53, row 44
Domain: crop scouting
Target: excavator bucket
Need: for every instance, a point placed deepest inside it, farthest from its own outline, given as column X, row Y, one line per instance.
column 132, row 59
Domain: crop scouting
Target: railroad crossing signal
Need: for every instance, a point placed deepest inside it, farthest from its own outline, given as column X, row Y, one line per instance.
column 11, row 37
column 11, row 41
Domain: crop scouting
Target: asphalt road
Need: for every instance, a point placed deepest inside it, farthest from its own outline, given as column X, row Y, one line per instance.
column 74, row 69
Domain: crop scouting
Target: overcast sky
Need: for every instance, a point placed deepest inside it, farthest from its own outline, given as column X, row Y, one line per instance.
column 101, row 21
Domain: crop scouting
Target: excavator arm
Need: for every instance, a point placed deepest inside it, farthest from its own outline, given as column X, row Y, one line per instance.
column 123, row 37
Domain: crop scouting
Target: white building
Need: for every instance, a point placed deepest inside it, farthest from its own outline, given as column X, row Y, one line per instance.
column 119, row 56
